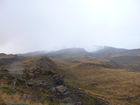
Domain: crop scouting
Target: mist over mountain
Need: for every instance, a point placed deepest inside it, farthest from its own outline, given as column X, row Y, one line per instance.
column 69, row 52
column 68, row 75
column 29, row 25
column 101, row 51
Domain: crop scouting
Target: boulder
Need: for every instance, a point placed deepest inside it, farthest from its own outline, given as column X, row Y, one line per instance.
column 53, row 89
column 71, row 101
column 38, row 83
column 61, row 88
column 101, row 102
column 13, row 83
column 58, row 80
column 30, row 83
column 68, row 100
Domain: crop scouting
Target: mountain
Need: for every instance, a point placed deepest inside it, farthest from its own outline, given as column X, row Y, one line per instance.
column 108, row 52
column 123, row 58
column 108, row 56
column 70, row 54
column 133, row 52
column 33, row 54
column 107, row 73
column 69, row 51
column 71, row 76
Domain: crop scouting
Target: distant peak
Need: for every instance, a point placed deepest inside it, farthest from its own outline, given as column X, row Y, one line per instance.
column 71, row 50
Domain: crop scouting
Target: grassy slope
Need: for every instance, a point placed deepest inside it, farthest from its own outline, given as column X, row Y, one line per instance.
column 22, row 95
column 37, row 95
column 118, row 86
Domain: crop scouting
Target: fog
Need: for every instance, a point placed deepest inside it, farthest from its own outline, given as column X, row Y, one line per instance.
column 33, row 25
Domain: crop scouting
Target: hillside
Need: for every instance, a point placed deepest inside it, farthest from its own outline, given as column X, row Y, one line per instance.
column 110, row 76
column 39, row 81
column 117, row 86
column 128, row 59
column 107, row 56
column 71, row 77
column 108, row 52
column 70, row 54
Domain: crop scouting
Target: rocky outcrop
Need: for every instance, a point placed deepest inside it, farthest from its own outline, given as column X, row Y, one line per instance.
column 57, row 79
column 44, row 82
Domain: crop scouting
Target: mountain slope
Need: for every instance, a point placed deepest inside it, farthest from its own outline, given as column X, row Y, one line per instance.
column 108, row 52
column 70, row 54
column 41, row 82
column 108, row 56
column 121, row 57
column 109, row 76
column 117, row 86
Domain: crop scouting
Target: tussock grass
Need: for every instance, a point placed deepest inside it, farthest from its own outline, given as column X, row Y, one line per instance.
column 118, row 86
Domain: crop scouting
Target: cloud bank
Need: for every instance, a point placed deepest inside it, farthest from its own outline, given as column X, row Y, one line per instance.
column 31, row 25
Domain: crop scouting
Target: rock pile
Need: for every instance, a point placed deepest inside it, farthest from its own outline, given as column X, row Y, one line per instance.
column 62, row 93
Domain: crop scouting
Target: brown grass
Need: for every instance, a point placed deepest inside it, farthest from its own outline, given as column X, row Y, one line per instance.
column 16, row 98
column 118, row 86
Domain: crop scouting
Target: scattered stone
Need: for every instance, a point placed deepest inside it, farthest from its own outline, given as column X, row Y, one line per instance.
column 13, row 82
column 68, row 100
column 53, row 90
column 78, row 103
column 50, row 73
column 18, row 104
column 100, row 102
column 1, row 87
column 58, row 80
column 13, row 90
column 21, row 80
column 61, row 88
column 66, row 93
column 44, row 83
column 71, row 101
column 26, row 97
column 59, row 93
column 30, row 83
column 38, row 83
column 66, row 104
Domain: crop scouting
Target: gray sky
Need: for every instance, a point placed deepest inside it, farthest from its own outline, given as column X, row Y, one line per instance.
column 31, row 25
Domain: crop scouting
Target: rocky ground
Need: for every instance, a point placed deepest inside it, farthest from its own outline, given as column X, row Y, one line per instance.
column 43, row 85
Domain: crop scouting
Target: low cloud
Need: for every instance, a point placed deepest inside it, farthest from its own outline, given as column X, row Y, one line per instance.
column 31, row 25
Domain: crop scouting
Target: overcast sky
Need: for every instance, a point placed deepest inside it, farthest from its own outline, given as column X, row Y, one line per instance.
column 31, row 25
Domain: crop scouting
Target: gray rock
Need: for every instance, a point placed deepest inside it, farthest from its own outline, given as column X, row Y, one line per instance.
column 78, row 103
column 53, row 89
column 30, row 83
column 61, row 88
column 66, row 104
column 13, row 82
column 101, row 102
column 38, row 83
column 58, row 80
column 45, row 84
column 66, row 93
column 68, row 100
